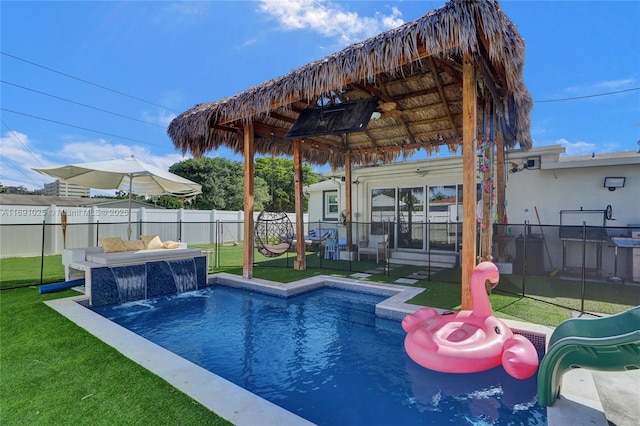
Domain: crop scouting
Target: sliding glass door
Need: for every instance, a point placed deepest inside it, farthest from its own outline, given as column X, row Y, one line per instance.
column 383, row 213
column 443, row 209
column 422, row 217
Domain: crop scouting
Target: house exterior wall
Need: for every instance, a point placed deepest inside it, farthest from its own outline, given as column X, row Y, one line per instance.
column 556, row 189
column 550, row 185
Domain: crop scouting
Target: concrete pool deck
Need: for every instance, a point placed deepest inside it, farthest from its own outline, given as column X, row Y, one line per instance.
column 579, row 404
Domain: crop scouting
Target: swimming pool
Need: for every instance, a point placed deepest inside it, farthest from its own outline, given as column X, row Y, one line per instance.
column 325, row 356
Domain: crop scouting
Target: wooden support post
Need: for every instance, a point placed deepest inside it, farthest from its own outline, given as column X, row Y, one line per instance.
column 300, row 264
column 249, row 150
column 349, row 198
column 469, row 167
column 500, row 193
column 487, row 185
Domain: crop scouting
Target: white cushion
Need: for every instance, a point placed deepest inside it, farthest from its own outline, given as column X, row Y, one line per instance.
column 141, row 256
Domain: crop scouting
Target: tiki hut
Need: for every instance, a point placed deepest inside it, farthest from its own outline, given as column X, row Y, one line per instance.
column 450, row 78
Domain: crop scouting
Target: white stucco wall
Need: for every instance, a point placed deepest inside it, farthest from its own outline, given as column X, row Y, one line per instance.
column 555, row 183
column 552, row 190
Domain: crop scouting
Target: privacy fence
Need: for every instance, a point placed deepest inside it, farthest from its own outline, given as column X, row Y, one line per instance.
column 587, row 268
column 32, row 231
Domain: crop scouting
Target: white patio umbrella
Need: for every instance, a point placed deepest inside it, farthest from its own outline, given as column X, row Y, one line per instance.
column 127, row 174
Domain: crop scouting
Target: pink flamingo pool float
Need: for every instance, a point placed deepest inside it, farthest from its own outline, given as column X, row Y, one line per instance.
column 469, row 341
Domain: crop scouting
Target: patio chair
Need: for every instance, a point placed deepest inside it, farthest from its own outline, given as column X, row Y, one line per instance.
column 320, row 235
column 331, row 250
column 377, row 244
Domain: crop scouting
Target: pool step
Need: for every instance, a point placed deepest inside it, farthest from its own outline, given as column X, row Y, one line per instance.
column 435, row 259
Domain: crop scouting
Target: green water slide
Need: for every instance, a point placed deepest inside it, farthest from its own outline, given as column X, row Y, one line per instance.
column 606, row 344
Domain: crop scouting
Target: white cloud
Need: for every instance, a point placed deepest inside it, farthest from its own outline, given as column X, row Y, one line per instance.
column 604, row 86
column 329, row 19
column 615, row 84
column 97, row 150
column 18, row 160
column 100, row 150
column 248, row 42
column 181, row 13
column 161, row 117
column 577, row 148
column 15, row 145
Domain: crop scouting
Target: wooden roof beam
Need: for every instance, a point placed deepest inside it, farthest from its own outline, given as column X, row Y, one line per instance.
column 401, row 121
column 435, row 135
column 232, row 129
column 445, row 100
column 490, row 80
column 266, row 130
column 434, row 120
column 447, row 66
column 282, row 117
column 321, row 145
column 417, row 145
column 417, row 93
column 373, row 91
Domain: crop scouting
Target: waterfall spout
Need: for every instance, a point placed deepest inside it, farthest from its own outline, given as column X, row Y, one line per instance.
column 184, row 274
column 131, row 282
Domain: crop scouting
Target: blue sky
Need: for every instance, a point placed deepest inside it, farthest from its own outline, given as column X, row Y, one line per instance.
column 87, row 81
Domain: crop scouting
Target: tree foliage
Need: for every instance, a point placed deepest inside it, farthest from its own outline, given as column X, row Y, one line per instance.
column 278, row 173
column 19, row 190
column 169, row 202
column 222, row 182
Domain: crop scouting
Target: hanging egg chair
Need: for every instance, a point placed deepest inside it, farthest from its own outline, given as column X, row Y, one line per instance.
column 273, row 231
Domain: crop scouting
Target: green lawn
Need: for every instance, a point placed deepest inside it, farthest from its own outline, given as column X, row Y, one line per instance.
column 25, row 271
column 54, row 372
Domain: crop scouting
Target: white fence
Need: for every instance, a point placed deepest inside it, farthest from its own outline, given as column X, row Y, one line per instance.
column 31, row 230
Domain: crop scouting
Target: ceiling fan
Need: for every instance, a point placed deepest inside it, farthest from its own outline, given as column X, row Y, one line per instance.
column 389, row 109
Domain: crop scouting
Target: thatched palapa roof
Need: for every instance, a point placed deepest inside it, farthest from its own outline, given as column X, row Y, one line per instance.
column 415, row 70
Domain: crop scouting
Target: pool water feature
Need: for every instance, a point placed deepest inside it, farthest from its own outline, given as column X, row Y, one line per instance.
column 184, row 274
column 131, row 282
column 324, row 355
column 121, row 284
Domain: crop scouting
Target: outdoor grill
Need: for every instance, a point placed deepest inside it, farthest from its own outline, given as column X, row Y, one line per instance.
column 633, row 243
column 588, row 227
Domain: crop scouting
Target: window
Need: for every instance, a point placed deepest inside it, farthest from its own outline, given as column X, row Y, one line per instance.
column 331, row 208
column 383, row 209
column 442, row 203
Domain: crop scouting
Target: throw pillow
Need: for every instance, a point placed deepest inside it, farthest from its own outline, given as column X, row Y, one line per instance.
column 133, row 245
column 170, row 245
column 151, row 241
column 112, row 245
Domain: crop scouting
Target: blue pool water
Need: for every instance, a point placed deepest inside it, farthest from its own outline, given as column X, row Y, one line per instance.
column 325, row 356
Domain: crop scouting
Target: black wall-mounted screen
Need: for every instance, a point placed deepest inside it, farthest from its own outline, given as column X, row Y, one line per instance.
column 345, row 117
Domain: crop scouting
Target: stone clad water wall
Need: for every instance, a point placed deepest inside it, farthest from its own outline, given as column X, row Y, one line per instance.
column 119, row 284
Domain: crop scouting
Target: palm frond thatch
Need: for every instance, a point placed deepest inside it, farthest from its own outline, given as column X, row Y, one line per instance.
column 415, row 67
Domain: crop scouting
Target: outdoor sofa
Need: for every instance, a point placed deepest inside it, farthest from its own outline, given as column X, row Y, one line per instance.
column 112, row 252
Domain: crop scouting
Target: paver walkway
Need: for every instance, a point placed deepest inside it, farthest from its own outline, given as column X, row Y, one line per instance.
column 409, row 279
